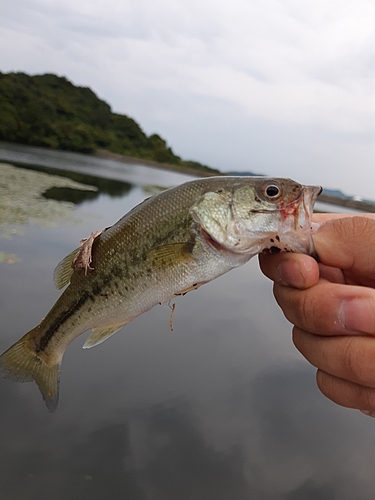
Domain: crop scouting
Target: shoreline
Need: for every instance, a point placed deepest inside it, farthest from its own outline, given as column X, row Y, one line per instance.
column 108, row 155
column 363, row 206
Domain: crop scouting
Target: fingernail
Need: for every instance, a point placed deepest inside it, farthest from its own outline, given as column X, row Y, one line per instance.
column 368, row 413
column 282, row 275
column 290, row 274
column 357, row 315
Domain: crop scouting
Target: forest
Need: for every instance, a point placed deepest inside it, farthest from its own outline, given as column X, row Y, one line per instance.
column 49, row 111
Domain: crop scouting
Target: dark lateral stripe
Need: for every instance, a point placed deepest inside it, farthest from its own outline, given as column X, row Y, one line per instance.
column 47, row 337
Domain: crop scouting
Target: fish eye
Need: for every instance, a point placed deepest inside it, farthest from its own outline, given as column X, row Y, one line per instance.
column 272, row 191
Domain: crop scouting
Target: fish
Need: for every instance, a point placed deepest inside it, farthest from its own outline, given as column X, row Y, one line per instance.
column 169, row 244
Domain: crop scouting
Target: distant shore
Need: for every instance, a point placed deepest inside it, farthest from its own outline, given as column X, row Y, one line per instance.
column 151, row 163
column 363, row 206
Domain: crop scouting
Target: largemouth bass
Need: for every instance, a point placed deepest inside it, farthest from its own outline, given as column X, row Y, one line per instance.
column 166, row 246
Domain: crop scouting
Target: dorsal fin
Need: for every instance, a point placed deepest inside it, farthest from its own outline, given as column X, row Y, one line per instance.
column 64, row 270
column 83, row 258
column 79, row 259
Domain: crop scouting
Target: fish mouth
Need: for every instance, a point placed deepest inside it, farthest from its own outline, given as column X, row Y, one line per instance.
column 299, row 215
column 310, row 195
column 302, row 207
column 306, row 204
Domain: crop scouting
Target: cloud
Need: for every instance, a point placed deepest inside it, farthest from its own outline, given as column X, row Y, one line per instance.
column 273, row 58
column 276, row 66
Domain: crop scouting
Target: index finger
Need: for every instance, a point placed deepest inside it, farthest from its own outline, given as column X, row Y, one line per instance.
column 329, row 308
column 324, row 217
column 348, row 243
column 290, row 269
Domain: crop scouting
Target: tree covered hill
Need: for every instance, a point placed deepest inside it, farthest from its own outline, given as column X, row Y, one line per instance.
column 49, row 111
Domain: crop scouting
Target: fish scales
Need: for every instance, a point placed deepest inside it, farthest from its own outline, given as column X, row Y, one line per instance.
column 167, row 245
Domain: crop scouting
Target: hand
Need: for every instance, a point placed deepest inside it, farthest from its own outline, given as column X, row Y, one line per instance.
column 332, row 306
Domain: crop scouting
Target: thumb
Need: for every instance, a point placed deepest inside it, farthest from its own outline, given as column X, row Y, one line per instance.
column 349, row 244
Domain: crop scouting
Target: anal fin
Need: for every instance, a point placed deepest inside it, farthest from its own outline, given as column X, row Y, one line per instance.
column 190, row 288
column 99, row 335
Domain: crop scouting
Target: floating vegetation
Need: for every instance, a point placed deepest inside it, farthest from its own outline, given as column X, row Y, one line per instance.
column 8, row 258
column 22, row 201
column 7, row 232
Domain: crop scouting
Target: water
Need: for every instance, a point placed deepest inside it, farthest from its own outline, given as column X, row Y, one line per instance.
column 221, row 408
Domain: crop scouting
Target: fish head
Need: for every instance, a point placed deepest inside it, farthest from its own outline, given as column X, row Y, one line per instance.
column 253, row 215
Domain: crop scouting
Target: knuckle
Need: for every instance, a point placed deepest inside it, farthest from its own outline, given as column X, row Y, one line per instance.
column 359, row 362
column 350, row 361
column 287, row 299
column 299, row 307
column 308, row 312
column 362, row 227
column 321, row 380
column 280, row 293
column 368, row 396
column 298, row 339
column 345, row 393
column 326, row 384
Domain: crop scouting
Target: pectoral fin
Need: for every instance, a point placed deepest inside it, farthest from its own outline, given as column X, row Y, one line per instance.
column 172, row 254
column 99, row 335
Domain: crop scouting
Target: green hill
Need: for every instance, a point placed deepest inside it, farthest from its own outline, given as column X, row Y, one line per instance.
column 49, row 111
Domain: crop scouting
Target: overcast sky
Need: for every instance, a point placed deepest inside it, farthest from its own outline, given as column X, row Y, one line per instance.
column 278, row 87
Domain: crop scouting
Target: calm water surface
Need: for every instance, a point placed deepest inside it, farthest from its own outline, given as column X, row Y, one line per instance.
column 221, row 408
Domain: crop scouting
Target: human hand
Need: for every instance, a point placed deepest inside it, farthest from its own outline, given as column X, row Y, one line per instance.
column 332, row 306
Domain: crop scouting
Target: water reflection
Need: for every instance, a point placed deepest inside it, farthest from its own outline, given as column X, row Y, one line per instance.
column 89, row 165
column 112, row 187
column 89, row 467
column 163, row 452
column 74, row 192
column 101, row 467
column 180, row 463
column 71, row 195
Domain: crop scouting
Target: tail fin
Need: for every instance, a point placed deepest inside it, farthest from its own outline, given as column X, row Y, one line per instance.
column 22, row 364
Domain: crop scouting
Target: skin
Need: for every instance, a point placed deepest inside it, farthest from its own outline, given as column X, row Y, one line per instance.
column 332, row 306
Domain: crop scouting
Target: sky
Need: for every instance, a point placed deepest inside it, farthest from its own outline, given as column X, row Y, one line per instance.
column 277, row 87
